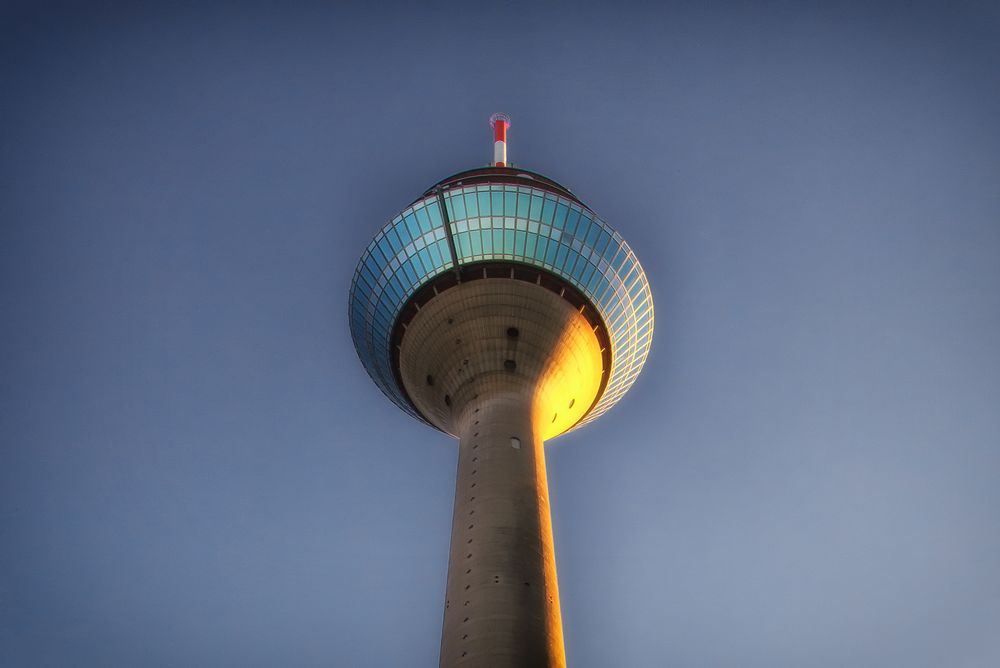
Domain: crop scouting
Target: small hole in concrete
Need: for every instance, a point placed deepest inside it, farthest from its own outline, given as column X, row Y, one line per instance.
column 430, row 379
column 512, row 332
column 447, row 400
column 451, row 320
column 510, row 365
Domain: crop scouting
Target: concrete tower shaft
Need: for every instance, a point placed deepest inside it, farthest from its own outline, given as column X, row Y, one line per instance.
column 502, row 364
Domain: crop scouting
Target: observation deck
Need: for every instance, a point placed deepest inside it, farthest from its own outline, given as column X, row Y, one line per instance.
column 501, row 222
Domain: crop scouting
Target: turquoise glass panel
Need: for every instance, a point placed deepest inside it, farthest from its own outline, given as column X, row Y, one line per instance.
column 536, row 208
column 523, row 205
column 496, row 203
column 510, row 203
column 471, row 206
column 548, row 211
column 508, row 242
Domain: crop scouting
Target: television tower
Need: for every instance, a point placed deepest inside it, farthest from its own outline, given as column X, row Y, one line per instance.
column 501, row 310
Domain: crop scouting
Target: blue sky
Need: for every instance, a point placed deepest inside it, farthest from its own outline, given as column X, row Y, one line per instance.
column 196, row 471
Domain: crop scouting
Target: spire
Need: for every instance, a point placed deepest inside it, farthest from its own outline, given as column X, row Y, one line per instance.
column 500, row 123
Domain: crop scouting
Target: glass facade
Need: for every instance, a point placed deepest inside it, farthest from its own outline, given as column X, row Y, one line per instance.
column 502, row 222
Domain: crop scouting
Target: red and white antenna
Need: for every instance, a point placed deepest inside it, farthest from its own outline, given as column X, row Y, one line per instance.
column 500, row 123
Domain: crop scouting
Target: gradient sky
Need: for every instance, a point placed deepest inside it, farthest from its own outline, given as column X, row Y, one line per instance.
column 195, row 470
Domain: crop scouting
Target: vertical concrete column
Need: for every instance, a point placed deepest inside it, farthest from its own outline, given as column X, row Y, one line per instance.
column 502, row 607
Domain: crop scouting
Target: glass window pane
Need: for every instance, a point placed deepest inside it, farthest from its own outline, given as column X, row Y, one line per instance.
column 548, row 211
column 434, row 211
column 619, row 259
column 519, row 238
column 425, row 259
column 529, row 246
column 424, row 220
column 484, row 204
column 436, row 261
column 496, row 203
column 595, row 231
column 508, row 242
column 609, row 251
column 458, row 204
column 572, row 220
column 523, row 204
column 383, row 245
column 509, row 203
column 536, row 208
column 543, row 244
column 556, row 254
column 445, row 252
column 404, row 234
column 471, row 207
column 602, row 241
column 560, row 217
column 412, row 225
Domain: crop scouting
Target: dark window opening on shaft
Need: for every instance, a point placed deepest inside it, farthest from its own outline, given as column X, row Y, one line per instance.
column 510, row 365
column 447, row 400
column 430, row 379
column 512, row 332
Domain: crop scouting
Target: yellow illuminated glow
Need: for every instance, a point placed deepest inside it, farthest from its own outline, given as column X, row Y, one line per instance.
column 569, row 384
